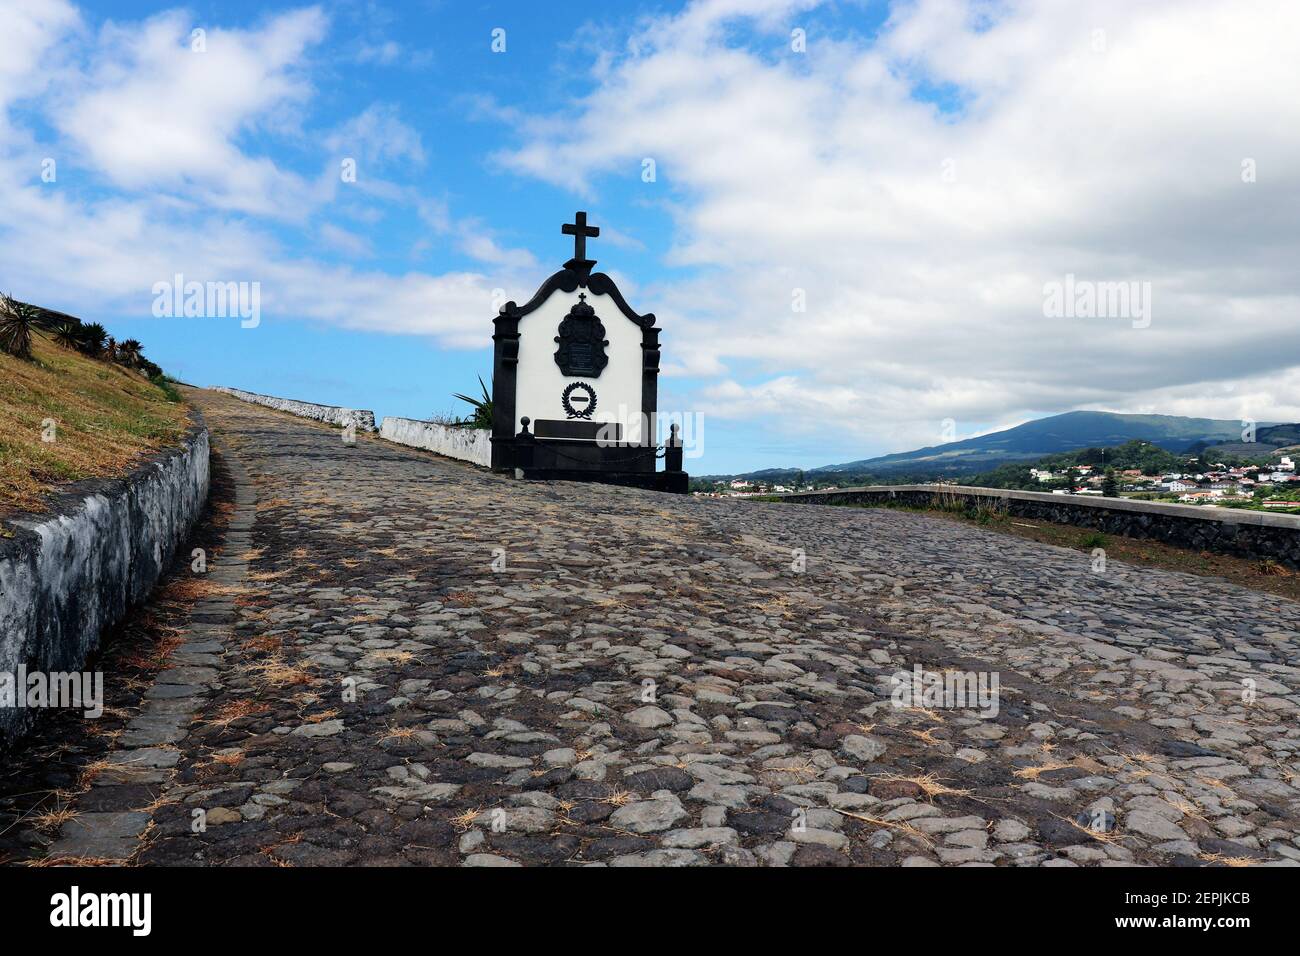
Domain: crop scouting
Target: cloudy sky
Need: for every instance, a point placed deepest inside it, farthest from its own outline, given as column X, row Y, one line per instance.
column 854, row 213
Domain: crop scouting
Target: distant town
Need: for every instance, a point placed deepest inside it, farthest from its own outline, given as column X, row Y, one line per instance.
column 1270, row 484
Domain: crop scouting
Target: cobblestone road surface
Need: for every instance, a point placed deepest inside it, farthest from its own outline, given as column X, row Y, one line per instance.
column 652, row 680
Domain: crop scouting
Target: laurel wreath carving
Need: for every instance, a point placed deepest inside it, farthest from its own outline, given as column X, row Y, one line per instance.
column 569, row 409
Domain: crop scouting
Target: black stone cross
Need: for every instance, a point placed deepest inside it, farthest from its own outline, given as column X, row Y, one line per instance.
column 580, row 231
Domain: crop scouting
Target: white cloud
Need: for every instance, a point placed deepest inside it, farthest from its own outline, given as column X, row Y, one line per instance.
column 377, row 135
column 153, row 114
column 1113, row 159
column 384, row 53
column 346, row 241
column 29, row 32
column 164, row 125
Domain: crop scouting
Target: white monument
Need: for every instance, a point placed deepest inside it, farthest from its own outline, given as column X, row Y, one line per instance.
column 576, row 381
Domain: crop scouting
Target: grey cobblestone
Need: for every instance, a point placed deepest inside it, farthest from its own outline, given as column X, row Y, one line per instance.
column 649, row 681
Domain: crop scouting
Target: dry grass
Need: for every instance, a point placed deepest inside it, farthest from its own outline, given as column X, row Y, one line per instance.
column 90, row 771
column 233, row 759
column 270, row 848
column 1101, row 836
column 618, row 798
column 157, row 804
column 931, row 785
column 394, row 656
column 398, row 733
column 195, row 588
column 926, row 736
column 106, row 419
column 1186, row 807
column 263, row 643
column 266, row 575
column 934, row 715
column 464, row 821
column 1033, row 773
column 218, row 762
column 1233, row 861
column 277, row 672
column 110, row 734
column 74, row 861
column 802, row 769
column 901, row 826
column 153, row 657
column 1272, row 569
column 1136, row 764
column 230, row 712
column 51, row 820
column 1214, row 783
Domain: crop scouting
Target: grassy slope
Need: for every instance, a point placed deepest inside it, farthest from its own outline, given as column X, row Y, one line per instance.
column 107, row 418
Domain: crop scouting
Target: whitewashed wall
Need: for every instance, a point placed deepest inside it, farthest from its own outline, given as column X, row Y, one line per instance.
column 67, row 576
column 540, row 382
column 467, row 444
column 330, row 414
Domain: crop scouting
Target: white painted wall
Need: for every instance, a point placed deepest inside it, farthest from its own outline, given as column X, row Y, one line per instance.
column 67, row 577
column 540, row 383
column 467, row 444
column 364, row 419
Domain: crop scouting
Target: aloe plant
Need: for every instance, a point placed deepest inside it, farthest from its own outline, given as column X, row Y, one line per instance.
column 93, row 338
column 482, row 416
column 68, row 334
column 17, row 322
column 130, row 353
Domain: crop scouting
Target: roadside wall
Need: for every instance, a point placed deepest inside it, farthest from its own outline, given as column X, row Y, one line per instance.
column 467, row 444
column 1250, row 534
column 67, row 576
column 330, row 414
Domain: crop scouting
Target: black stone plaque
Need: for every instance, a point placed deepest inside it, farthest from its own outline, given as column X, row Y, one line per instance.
column 582, row 342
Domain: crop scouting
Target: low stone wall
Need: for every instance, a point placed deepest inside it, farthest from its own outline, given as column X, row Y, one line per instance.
column 1249, row 534
column 467, row 444
column 330, row 414
column 67, row 576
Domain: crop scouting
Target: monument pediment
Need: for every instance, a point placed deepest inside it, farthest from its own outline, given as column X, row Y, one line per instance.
column 572, row 278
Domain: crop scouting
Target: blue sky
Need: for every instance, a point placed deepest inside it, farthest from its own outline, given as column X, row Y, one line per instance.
column 443, row 81
column 915, row 172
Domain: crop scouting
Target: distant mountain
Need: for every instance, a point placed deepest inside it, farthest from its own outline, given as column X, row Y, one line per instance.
column 1033, row 440
column 1268, row 439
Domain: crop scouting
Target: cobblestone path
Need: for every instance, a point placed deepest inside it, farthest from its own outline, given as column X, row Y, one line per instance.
column 652, row 680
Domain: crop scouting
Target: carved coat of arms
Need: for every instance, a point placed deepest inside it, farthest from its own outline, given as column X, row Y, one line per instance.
column 582, row 342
